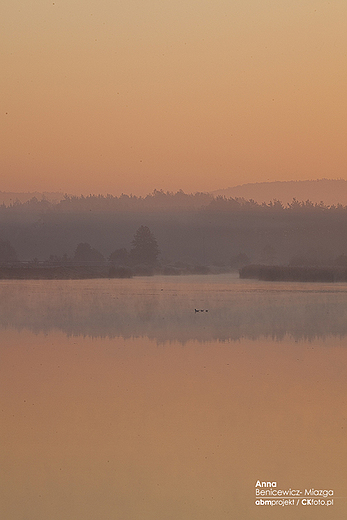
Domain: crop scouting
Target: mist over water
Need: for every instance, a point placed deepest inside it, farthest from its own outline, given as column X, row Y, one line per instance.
column 119, row 401
column 166, row 309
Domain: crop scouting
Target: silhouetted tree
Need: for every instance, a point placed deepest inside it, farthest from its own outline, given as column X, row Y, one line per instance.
column 145, row 248
column 85, row 253
column 119, row 257
column 7, row 252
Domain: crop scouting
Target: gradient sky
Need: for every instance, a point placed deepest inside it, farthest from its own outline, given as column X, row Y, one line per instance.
column 112, row 96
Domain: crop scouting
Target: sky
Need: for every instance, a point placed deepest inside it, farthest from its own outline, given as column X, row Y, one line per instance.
column 128, row 96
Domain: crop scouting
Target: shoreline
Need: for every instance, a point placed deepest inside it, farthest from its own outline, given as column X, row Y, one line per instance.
column 279, row 273
column 85, row 272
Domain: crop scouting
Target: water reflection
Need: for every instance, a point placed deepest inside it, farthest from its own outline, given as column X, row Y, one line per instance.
column 172, row 424
column 163, row 308
column 128, row 429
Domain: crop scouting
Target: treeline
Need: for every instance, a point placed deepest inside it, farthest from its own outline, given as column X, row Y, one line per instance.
column 87, row 261
column 191, row 229
column 221, row 203
column 159, row 200
column 144, row 250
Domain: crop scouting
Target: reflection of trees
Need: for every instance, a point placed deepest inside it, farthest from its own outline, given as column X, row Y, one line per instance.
column 140, row 308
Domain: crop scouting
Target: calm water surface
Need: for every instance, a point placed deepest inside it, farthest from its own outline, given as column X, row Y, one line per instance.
column 120, row 402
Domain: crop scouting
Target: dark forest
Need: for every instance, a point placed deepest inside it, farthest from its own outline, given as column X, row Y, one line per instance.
column 189, row 228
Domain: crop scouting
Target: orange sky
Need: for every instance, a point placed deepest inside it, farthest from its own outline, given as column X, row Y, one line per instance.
column 130, row 95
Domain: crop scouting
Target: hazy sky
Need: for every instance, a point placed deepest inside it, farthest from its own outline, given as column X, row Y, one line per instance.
column 131, row 95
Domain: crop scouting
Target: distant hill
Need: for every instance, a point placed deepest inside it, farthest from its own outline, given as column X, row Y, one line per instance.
column 330, row 191
column 8, row 198
column 326, row 190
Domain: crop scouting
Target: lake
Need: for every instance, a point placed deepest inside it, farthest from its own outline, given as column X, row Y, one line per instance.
column 169, row 397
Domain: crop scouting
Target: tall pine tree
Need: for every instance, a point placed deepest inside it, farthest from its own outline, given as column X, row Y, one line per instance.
column 145, row 248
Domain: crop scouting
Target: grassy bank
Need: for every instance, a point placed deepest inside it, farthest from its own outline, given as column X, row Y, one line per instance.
column 29, row 271
column 279, row 273
column 63, row 272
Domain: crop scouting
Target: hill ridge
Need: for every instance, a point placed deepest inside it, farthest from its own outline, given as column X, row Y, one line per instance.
column 330, row 191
